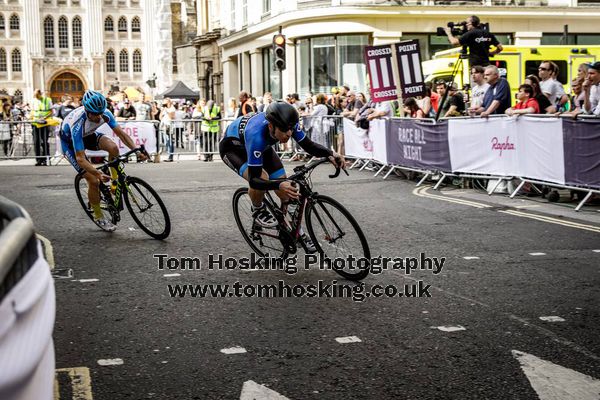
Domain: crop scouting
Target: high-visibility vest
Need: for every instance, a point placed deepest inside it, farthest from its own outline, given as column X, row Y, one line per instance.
column 210, row 125
column 42, row 109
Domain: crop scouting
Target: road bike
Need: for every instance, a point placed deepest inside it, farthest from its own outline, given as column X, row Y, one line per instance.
column 333, row 230
column 144, row 204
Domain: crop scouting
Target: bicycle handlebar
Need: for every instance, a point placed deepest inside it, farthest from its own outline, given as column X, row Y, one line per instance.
column 303, row 169
column 124, row 156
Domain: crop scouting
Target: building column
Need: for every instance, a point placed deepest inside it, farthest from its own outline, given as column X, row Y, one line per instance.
column 257, row 75
column 230, row 79
column 528, row 38
column 288, row 84
column 247, row 72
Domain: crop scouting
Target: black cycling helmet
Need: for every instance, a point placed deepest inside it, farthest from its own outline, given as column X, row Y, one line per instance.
column 283, row 115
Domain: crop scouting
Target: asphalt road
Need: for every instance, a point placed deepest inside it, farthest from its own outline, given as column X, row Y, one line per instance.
column 483, row 333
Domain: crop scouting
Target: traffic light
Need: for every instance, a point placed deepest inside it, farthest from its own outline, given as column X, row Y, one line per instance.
column 279, row 52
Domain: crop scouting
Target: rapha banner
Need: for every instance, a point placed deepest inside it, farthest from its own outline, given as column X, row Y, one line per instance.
column 381, row 75
column 419, row 145
column 140, row 132
column 582, row 152
column 484, row 146
column 408, row 57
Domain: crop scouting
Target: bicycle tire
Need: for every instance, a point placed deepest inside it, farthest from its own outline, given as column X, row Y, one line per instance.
column 315, row 219
column 133, row 185
column 79, row 180
column 237, row 199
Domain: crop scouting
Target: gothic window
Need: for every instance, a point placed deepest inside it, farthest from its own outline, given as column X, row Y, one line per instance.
column 2, row 60
column 49, row 32
column 124, row 61
column 16, row 60
column 14, row 22
column 108, row 24
column 135, row 25
column 137, row 61
column 110, row 61
column 76, row 30
column 63, row 33
column 122, row 24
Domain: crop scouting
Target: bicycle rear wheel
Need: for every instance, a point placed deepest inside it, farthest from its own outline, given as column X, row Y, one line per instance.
column 147, row 208
column 82, row 189
column 337, row 237
column 264, row 242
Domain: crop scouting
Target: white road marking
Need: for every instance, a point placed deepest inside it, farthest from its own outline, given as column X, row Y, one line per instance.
column 551, row 220
column 348, row 339
column 422, row 192
column 48, row 250
column 528, row 206
column 254, row 391
column 171, row 275
column 554, row 382
column 88, row 280
column 552, row 318
column 537, row 254
column 110, row 361
column 471, row 258
column 596, row 251
column 233, row 350
column 450, row 328
column 131, row 228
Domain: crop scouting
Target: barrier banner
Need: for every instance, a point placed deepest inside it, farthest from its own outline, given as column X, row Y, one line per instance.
column 356, row 141
column 378, row 138
column 141, row 133
column 420, row 145
column 541, row 155
column 484, row 146
column 582, row 152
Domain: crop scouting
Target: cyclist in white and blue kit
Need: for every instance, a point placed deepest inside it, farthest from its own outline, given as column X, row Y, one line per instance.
column 247, row 149
column 78, row 132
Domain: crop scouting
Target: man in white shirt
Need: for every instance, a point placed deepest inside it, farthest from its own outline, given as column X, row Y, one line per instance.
column 591, row 89
column 382, row 110
column 480, row 86
column 552, row 88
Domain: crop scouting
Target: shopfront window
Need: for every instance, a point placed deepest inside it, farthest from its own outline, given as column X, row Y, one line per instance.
column 330, row 61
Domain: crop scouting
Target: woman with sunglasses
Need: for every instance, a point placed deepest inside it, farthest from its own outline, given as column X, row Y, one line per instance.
column 79, row 132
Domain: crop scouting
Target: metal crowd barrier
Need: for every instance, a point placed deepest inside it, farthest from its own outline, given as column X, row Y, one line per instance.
column 17, row 141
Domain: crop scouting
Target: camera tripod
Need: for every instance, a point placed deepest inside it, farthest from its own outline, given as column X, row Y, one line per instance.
column 459, row 63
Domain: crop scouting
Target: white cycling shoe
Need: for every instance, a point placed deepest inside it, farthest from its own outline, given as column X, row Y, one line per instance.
column 105, row 225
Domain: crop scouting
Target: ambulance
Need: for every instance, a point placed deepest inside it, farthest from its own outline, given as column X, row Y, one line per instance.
column 514, row 63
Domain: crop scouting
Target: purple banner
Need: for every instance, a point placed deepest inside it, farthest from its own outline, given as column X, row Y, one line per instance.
column 582, row 152
column 416, row 144
column 381, row 75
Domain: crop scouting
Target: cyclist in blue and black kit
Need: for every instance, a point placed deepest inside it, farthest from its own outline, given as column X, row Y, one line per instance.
column 79, row 132
column 247, row 149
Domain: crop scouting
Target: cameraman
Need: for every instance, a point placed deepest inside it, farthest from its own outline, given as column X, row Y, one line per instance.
column 478, row 40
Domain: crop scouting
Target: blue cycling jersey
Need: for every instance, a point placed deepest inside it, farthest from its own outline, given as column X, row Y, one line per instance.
column 253, row 132
column 77, row 125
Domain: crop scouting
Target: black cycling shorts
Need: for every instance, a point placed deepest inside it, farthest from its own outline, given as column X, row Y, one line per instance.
column 233, row 153
column 90, row 142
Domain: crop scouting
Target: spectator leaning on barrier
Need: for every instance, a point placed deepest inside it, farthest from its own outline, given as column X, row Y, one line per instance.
column 578, row 96
column 545, row 106
column 382, row 110
column 210, row 128
column 454, row 105
column 591, row 89
column 480, row 86
column 142, row 110
column 5, row 129
column 42, row 109
column 412, row 109
column 178, row 124
column 552, row 88
column 66, row 107
column 526, row 104
column 353, row 105
column 127, row 112
column 497, row 97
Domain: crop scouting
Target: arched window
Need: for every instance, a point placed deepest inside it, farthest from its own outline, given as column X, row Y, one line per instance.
column 122, row 24
column 76, row 32
column 109, row 25
column 3, row 91
column 18, row 93
column 49, row 32
column 14, row 22
column 2, row 22
column 2, row 60
column 16, row 60
column 137, row 61
column 110, row 61
column 63, row 33
column 123, row 61
column 135, row 25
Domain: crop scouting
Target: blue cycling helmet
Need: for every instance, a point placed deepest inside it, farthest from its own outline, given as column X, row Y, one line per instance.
column 94, row 102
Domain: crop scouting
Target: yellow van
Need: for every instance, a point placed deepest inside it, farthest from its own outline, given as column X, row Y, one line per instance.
column 514, row 63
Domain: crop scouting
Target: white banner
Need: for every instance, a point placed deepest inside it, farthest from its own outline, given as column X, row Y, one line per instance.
column 541, row 155
column 484, row 146
column 369, row 144
column 141, row 133
column 356, row 141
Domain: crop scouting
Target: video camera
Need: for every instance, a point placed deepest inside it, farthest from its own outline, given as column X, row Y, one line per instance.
column 457, row 28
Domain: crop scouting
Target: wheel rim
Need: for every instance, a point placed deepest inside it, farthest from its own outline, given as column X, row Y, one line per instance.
column 265, row 241
column 145, row 209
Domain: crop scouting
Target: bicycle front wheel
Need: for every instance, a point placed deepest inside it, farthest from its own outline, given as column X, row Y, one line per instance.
column 264, row 241
column 338, row 238
column 82, row 189
column 146, row 208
